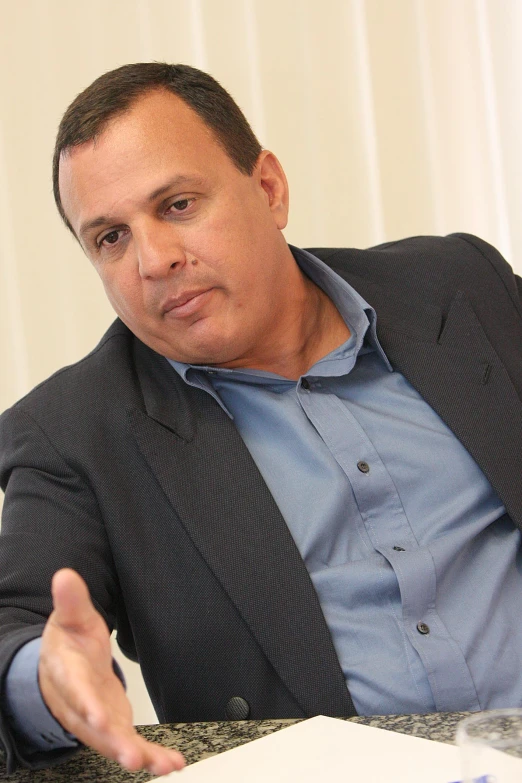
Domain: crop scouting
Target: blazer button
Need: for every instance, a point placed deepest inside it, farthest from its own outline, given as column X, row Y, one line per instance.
column 237, row 708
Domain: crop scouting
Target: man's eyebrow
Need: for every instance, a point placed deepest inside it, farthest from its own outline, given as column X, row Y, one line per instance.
column 104, row 220
column 87, row 227
column 183, row 179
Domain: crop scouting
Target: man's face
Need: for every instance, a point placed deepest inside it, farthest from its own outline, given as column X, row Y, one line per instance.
column 189, row 249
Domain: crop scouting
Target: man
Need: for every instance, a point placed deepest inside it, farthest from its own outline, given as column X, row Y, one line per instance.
column 292, row 486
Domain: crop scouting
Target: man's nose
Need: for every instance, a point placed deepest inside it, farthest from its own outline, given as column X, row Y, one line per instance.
column 159, row 248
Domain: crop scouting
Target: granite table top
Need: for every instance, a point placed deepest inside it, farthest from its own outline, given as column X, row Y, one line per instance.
column 199, row 740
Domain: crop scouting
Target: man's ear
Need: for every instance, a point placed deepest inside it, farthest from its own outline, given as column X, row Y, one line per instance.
column 273, row 180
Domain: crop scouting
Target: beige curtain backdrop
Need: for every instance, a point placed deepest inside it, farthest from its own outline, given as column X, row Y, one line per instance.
column 391, row 118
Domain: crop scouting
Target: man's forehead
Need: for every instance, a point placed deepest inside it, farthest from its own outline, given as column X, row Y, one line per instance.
column 157, row 141
column 157, row 115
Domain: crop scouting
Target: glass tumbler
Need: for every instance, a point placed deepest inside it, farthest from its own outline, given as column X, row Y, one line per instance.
column 491, row 747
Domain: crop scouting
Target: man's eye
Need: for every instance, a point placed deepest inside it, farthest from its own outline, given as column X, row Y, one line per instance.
column 182, row 204
column 111, row 238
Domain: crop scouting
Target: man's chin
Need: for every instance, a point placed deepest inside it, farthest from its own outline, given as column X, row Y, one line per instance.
column 203, row 355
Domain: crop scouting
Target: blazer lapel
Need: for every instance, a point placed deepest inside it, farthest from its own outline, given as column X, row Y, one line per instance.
column 215, row 488
column 457, row 371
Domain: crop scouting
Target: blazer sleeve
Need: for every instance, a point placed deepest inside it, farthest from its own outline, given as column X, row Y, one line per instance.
column 50, row 520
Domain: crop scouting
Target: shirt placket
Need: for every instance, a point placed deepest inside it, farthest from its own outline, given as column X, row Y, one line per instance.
column 390, row 533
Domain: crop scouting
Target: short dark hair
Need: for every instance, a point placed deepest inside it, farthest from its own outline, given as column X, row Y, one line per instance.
column 114, row 92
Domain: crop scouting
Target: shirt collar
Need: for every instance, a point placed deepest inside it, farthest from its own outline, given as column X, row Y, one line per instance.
column 358, row 315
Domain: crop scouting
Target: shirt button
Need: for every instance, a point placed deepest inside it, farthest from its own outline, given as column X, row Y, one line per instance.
column 363, row 466
column 399, row 549
column 423, row 628
column 305, row 384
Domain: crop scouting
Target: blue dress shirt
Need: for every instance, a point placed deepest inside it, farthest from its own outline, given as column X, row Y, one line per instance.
column 416, row 566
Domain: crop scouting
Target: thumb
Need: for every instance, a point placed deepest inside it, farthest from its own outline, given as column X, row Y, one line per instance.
column 73, row 608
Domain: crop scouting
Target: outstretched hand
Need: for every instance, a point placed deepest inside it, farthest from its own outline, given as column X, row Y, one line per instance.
column 80, row 688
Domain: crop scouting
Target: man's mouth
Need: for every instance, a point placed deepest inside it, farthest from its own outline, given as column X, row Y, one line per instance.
column 186, row 303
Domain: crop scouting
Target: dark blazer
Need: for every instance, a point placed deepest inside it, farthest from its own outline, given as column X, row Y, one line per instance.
column 116, row 468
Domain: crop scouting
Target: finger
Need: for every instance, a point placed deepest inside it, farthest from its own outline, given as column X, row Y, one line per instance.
column 73, row 608
column 141, row 754
column 124, row 745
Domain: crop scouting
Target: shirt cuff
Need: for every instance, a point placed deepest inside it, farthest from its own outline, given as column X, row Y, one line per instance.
column 26, row 710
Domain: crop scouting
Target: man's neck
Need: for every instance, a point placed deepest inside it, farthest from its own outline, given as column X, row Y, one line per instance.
column 315, row 329
column 322, row 331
